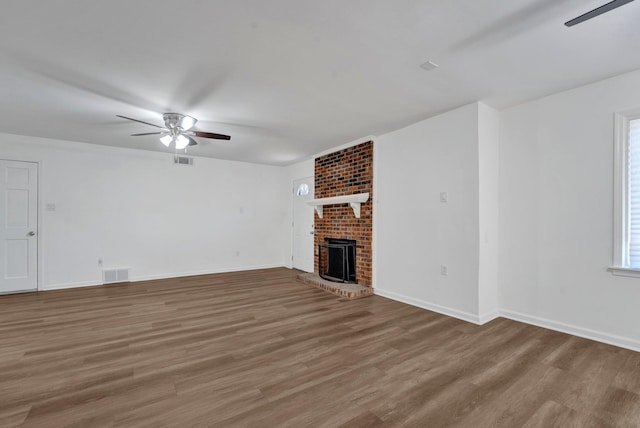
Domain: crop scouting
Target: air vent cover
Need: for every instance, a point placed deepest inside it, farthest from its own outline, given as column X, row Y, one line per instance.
column 111, row 276
column 183, row 160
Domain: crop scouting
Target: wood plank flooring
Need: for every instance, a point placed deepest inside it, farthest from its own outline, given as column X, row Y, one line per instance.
column 258, row 349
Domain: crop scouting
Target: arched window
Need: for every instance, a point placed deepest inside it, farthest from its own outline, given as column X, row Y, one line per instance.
column 303, row 189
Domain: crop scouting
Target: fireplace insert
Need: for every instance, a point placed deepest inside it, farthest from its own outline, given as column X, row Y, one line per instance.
column 337, row 260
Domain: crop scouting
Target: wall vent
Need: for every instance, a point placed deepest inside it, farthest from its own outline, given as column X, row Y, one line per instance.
column 111, row 276
column 183, row 160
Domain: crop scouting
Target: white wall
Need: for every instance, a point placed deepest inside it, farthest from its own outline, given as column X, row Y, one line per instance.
column 488, row 188
column 556, row 202
column 416, row 233
column 137, row 209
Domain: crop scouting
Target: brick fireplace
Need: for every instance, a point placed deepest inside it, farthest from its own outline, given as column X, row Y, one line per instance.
column 342, row 173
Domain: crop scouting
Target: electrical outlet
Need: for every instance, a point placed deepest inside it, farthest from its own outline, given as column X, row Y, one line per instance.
column 444, row 270
column 444, row 197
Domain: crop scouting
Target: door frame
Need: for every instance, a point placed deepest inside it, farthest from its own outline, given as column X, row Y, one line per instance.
column 39, row 259
column 293, row 213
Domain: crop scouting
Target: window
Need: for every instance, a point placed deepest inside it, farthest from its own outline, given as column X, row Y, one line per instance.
column 303, row 190
column 626, row 257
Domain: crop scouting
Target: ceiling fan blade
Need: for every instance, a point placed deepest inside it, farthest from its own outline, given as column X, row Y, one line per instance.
column 192, row 142
column 146, row 133
column 597, row 11
column 141, row 121
column 211, row 135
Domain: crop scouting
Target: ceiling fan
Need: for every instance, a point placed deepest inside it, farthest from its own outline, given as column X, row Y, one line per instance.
column 177, row 130
column 597, row 11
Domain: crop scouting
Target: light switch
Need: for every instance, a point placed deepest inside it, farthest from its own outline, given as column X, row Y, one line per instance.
column 444, row 197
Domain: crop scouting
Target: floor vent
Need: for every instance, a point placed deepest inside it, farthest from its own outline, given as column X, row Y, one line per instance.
column 183, row 160
column 111, row 276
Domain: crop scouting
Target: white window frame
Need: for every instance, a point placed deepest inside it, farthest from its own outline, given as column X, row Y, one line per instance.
column 621, row 194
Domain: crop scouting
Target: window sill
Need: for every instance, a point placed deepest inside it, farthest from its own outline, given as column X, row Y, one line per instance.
column 623, row 271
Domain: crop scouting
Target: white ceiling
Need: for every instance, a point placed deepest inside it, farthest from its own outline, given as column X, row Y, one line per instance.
column 289, row 78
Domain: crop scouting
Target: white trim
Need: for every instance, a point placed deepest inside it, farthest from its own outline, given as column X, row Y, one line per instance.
column 374, row 217
column 455, row 313
column 624, row 271
column 290, row 263
column 292, row 237
column 41, row 211
column 202, row 272
column 620, row 232
column 598, row 336
column 611, row 339
column 620, row 187
column 488, row 317
column 65, row 285
column 159, row 276
column 39, row 215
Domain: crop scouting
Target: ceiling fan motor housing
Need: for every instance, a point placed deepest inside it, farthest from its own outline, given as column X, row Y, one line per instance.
column 177, row 120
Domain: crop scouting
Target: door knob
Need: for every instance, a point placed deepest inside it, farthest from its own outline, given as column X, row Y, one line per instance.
column 32, row 233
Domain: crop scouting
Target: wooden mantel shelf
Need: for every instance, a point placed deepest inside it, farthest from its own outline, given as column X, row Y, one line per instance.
column 353, row 200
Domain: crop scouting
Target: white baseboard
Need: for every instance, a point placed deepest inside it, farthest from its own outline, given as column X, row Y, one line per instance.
column 202, row 272
column 62, row 286
column 455, row 313
column 489, row 316
column 598, row 336
column 611, row 339
column 158, row 276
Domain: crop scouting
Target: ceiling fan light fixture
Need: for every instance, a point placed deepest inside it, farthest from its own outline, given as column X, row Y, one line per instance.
column 181, row 142
column 166, row 140
column 187, row 122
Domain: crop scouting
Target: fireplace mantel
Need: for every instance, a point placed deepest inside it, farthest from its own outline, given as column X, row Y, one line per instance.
column 353, row 200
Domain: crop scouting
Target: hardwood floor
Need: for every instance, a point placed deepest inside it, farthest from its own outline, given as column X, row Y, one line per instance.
column 257, row 349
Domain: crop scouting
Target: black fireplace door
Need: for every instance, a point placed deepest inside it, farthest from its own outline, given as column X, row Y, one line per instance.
column 340, row 263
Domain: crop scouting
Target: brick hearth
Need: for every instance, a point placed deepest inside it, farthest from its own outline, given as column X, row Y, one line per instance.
column 349, row 291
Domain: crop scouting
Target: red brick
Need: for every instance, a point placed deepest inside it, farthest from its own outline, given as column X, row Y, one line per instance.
column 347, row 172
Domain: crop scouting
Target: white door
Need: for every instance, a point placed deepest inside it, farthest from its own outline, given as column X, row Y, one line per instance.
column 18, row 226
column 303, row 224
